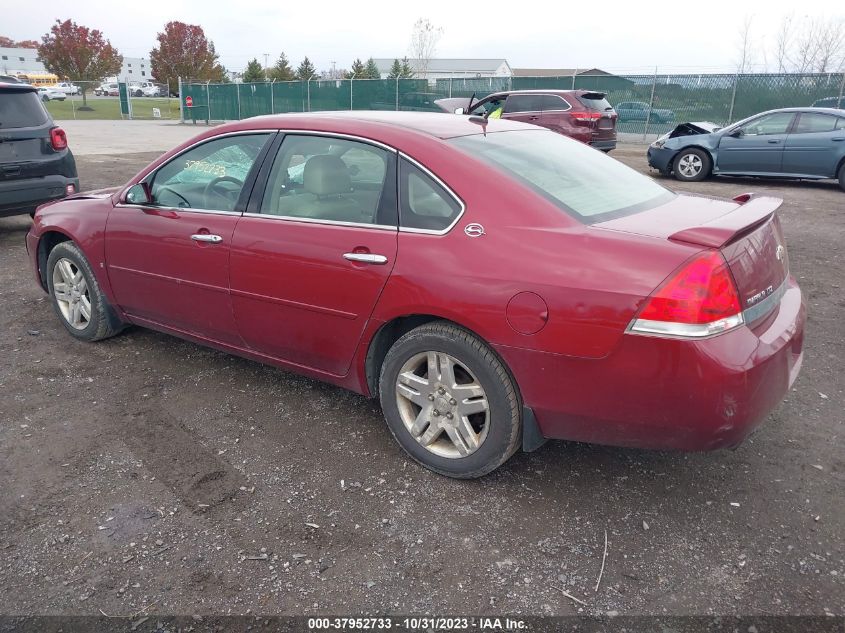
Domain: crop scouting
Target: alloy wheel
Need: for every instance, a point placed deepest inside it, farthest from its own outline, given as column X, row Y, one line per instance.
column 72, row 294
column 442, row 404
column 690, row 165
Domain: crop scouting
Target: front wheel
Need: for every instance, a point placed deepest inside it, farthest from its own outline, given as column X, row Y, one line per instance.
column 842, row 177
column 692, row 164
column 77, row 299
column 450, row 402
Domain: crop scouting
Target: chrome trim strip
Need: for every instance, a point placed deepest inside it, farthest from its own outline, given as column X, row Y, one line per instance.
column 176, row 209
column 352, row 137
column 766, row 305
column 448, row 190
column 293, row 304
column 293, row 218
column 685, row 330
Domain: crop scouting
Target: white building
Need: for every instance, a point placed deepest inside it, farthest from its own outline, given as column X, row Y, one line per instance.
column 445, row 68
column 20, row 60
column 136, row 69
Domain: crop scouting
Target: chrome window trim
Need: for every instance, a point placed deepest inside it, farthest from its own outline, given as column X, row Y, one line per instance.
column 127, row 205
column 293, row 218
column 351, row 137
column 446, row 188
column 151, row 174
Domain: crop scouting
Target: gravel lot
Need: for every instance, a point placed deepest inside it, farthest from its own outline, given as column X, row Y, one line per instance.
column 147, row 472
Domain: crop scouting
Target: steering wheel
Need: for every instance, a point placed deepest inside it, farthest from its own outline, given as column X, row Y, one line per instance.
column 211, row 187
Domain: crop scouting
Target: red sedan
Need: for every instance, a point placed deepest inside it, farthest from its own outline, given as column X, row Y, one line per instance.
column 492, row 282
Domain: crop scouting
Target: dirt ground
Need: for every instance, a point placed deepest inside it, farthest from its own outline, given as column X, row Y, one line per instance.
column 148, row 475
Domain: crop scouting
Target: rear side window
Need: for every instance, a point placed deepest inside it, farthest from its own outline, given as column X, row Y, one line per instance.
column 573, row 176
column 523, row 103
column 840, row 124
column 21, row 109
column 552, row 102
column 595, row 101
column 810, row 122
column 424, row 203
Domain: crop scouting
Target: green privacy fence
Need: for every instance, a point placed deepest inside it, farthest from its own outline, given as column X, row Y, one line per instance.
column 663, row 99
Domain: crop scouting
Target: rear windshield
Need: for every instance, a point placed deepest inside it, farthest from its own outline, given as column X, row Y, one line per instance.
column 595, row 101
column 580, row 180
column 20, row 109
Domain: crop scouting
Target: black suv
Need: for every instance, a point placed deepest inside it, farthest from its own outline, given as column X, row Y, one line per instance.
column 36, row 165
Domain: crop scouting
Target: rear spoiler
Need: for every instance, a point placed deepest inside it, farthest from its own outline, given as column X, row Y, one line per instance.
column 752, row 212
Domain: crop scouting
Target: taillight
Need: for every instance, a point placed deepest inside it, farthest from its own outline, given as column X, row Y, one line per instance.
column 585, row 116
column 699, row 300
column 58, row 138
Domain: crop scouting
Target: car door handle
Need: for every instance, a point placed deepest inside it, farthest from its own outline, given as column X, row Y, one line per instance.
column 205, row 237
column 365, row 258
column 838, row 138
column 774, row 141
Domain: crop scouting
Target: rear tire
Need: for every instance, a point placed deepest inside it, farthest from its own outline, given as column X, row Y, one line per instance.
column 76, row 296
column 692, row 165
column 463, row 417
column 842, row 177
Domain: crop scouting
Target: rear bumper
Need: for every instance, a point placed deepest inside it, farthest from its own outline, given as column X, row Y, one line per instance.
column 660, row 158
column 661, row 393
column 604, row 145
column 23, row 196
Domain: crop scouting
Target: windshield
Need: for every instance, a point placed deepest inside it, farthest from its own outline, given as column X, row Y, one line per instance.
column 580, row 180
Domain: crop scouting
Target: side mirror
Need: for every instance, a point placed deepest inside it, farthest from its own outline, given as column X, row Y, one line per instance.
column 139, row 194
column 459, row 110
column 737, row 133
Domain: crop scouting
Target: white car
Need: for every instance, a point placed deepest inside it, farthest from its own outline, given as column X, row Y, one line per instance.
column 150, row 89
column 67, row 88
column 51, row 94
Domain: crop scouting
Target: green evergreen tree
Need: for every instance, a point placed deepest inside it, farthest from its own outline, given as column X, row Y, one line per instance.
column 281, row 70
column 395, row 70
column 306, row 70
column 407, row 71
column 372, row 71
column 358, row 70
column 254, row 72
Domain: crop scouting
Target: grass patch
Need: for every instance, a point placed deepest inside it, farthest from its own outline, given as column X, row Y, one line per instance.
column 108, row 108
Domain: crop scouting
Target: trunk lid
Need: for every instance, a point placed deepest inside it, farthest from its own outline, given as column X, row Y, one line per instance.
column 748, row 235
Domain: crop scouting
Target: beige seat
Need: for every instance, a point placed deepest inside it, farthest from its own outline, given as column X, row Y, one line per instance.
column 325, row 180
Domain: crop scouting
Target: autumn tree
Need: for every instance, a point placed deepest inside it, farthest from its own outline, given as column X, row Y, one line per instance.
column 306, row 70
column 358, row 70
column 8, row 42
column 254, row 72
column 372, row 71
column 184, row 51
column 76, row 52
column 281, row 70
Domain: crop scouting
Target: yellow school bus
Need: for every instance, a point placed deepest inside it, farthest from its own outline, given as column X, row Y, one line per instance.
column 39, row 79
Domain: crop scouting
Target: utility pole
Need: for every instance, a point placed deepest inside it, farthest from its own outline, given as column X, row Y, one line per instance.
column 334, row 75
column 266, row 58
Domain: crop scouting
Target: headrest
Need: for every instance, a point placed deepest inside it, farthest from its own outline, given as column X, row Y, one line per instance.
column 326, row 175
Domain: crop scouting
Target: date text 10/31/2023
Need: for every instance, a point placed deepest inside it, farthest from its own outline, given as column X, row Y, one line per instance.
column 416, row 623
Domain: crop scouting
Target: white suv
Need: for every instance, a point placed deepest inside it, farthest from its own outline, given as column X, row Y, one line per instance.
column 66, row 87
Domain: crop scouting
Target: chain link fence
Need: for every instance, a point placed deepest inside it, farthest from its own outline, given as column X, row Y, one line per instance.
column 110, row 100
column 646, row 104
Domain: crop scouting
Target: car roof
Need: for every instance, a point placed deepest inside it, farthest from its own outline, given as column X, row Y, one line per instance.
column 17, row 87
column 432, row 124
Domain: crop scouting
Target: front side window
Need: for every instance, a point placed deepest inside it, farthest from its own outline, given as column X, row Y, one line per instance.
column 331, row 179
column 210, row 176
column 576, row 178
column 424, row 203
column 777, row 123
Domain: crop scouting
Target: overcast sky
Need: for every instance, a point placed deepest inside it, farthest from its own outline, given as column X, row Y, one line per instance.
column 621, row 36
